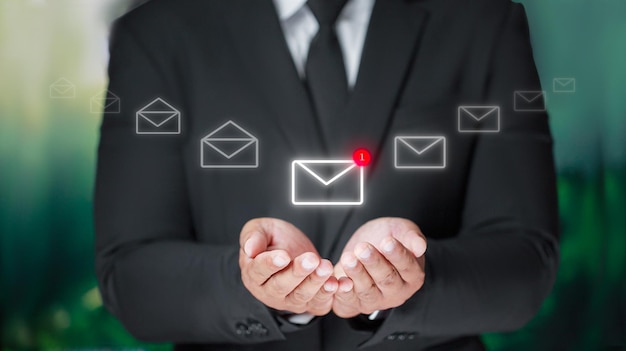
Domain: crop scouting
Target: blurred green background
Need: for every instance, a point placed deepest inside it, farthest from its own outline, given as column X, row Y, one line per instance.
column 48, row 294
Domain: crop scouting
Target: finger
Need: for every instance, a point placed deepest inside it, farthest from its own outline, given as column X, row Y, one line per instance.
column 381, row 271
column 255, row 244
column 364, row 286
column 284, row 282
column 266, row 264
column 322, row 302
column 255, row 236
column 346, row 304
column 413, row 240
column 345, row 285
column 404, row 261
column 311, row 285
column 339, row 271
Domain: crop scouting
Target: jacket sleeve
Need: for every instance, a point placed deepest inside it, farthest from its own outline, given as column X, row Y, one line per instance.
column 162, row 284
column 494, row 275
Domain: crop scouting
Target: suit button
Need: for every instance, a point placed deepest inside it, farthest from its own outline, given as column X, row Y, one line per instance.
column 242, row 329
column 257, row 328
column 402, row 336
column 411, row 336
column 391, row 337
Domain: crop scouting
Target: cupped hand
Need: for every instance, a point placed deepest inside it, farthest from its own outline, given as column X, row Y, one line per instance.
column 381, row 267
column 281, row 268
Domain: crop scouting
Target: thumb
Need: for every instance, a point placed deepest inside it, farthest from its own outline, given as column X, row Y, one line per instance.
column 416, row 242
column 253, row 239
column 255, row 244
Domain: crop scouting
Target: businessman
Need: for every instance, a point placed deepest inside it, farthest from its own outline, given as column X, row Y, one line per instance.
column 221, row 259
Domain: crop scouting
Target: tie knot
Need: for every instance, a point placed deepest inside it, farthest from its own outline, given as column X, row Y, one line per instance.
column 326, row 11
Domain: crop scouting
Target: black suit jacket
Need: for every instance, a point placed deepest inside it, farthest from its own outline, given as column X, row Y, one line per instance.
column 167, row 229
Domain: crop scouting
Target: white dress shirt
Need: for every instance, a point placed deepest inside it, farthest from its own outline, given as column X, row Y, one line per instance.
column 300, row 26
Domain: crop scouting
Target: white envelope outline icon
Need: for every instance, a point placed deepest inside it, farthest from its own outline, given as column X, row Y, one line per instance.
column 105, row 102
column 564, row 85
column 62, row 89
column 418, row 162
column 327, row 182
column 529, row 101
column 244, row 141
column 158, row 117
column 473, row 114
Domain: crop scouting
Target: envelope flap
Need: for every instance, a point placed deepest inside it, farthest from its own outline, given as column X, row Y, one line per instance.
column 160, row 106
column 420, row 144
column 530, row 96
column 230, row 130
column 106, row 96
column 62, row 88
column 564, row 81
column 327, row 172
column 480, row 112
column 229, row 148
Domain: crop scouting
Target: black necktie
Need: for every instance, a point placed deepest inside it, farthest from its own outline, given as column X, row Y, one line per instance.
column 325, row 71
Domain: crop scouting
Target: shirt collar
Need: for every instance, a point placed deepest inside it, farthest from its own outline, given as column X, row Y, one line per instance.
column 287, row 8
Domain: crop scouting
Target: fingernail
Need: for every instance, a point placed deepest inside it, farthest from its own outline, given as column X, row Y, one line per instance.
column 247, row 247
column 329, row 287
column 349, row 261
column 388, row 245
column 346, row 288
column 309, row 263
column 364, row 253
column 279, row 261
column 322, row 271
column 418, row 248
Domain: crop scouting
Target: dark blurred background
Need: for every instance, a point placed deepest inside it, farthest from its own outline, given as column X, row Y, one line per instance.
column 48, row 294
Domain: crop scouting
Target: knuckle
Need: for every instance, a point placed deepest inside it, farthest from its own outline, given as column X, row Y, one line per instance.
column 255, row 276
column 404, row 270
column 299, row 297
column 389, row 280
column 278, row 288
column 321, row 297
column 344, row 298
column 409, row 265
column 367, row 295
column 264, row 265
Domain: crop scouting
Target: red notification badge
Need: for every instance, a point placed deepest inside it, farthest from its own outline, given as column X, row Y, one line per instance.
column 361, row 157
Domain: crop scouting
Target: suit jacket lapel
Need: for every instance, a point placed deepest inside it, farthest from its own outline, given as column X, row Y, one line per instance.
column 390, row 47
column 261, row 45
